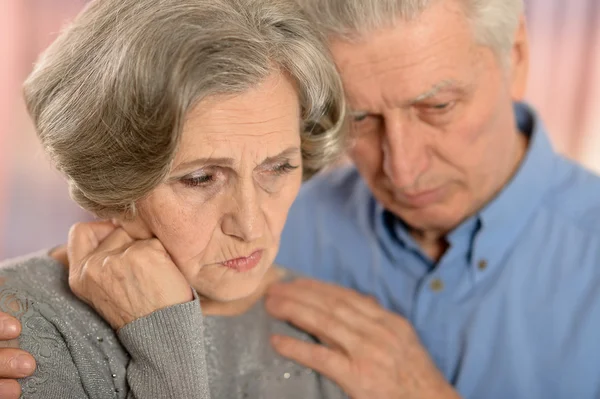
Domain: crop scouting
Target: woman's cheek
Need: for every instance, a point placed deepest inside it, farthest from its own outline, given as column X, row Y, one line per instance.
column 279, row 207
column 186, row 233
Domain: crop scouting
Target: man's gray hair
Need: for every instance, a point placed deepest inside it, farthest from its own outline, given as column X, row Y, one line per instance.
column 494, row 21
column 110, row 96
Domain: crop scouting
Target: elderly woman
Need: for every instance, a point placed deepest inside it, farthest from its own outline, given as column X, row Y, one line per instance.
column 189, row 125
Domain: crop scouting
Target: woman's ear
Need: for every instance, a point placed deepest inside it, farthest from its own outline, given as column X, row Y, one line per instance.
column 136, row 227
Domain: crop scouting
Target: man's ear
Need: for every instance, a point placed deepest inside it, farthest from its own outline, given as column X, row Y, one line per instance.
column 519, row 62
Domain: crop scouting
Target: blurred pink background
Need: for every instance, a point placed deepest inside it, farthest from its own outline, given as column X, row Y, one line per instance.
column 35, row 209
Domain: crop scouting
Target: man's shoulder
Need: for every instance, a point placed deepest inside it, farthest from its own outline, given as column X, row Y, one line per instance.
column 573, row 198
column 339, row 189
column 332, row 203
column 327, row 224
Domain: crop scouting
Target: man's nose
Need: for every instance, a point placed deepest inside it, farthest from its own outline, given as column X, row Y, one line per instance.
column 405, row 153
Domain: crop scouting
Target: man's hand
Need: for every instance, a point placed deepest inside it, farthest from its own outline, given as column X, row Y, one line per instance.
column 368, row 351
column 14, row 363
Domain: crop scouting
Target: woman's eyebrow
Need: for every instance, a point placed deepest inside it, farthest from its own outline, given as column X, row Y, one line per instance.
column 203, row 161
column 224, row 161
column 283, row 154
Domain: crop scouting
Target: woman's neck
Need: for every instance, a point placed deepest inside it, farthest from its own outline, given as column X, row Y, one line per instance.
column 240, row 306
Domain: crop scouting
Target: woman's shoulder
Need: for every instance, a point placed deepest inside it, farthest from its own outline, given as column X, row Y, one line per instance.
column 31, row 281
column 31, row 271
column 243, row 342
column 65, row 336
column 40, row 283
column 288, row 275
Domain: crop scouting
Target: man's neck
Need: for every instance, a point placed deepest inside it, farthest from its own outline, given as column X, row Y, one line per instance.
column 432, row 243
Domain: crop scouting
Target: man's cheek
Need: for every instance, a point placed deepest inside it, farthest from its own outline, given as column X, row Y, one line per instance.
column 366, row 152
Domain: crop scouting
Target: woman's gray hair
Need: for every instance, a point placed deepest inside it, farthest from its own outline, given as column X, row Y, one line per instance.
column 110, row 96
column 494, row 22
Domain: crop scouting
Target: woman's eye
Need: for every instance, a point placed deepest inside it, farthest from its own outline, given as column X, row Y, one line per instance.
column 283, row 168
column 198, row 181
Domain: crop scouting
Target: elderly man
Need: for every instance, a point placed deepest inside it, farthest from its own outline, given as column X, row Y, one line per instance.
column 479, row 243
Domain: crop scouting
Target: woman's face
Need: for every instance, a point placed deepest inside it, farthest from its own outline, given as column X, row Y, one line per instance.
column 236, row 173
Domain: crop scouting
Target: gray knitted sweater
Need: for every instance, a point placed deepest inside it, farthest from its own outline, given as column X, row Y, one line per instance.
column 172, row 353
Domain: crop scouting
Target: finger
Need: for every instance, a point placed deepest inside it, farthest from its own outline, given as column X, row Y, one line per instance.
column 15, row 363
column 296, row 302
column 116, row 240
column 10, row 328
column 324, row 299
column 328, row 298
column 9, row 389
column 84, row 238
column 325, row 325
column 326, row 361
column 363, row 303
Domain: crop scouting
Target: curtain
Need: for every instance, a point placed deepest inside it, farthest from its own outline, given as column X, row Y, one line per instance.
column 35, row 211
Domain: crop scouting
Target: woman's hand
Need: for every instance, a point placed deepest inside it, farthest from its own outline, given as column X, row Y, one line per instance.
column 123, row 279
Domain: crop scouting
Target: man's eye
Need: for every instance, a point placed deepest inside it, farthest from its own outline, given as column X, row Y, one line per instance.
column 359, row 117
column 440, row 107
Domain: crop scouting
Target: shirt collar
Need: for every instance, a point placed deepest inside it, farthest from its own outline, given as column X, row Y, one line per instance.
column 496, row 226
column 526, row 189
column 503, row 218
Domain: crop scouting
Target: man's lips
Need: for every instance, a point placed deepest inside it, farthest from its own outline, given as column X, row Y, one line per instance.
column 419, row 199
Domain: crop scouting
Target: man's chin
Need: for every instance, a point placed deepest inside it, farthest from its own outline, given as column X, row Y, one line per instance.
column 436, row 218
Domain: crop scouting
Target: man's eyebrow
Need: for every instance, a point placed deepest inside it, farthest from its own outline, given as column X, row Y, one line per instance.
column 434, row 90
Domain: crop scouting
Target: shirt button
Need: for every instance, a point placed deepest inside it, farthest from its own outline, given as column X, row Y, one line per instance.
column 482, row 265
column 436, row 285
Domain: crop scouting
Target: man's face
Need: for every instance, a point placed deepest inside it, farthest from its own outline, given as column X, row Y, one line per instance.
column 433, row 127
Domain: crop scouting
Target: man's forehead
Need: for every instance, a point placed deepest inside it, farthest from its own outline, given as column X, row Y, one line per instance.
column 442, row 26
column 401, row 73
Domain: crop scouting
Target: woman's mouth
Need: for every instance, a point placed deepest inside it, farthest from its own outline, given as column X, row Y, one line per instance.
column 244, row 264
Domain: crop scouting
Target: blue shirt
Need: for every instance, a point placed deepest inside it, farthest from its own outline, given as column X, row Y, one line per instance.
column 512, row 310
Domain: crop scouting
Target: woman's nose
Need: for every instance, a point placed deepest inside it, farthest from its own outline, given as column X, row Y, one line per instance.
column 245, row 218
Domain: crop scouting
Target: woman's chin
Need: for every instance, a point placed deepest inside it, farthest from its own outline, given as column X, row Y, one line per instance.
column 232, row 288
column 233, row 292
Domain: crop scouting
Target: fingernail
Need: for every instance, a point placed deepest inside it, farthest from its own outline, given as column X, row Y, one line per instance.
column 270, row 303
column 275, row 340
column 23, row 364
